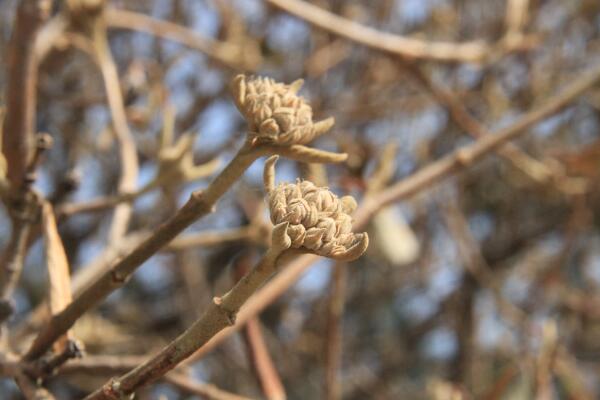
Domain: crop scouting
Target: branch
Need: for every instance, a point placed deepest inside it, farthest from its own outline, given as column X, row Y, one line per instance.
column 333, row 342
column 228, row 54
column 21, row 82
column 109, row 365
column 262, row 362
column 210, row 392
column 17, row 141
column 12, row 263
column 258, row 353
column 127, row 148
column 23, row 206
column 475, row 264
column 476, row 51
column 212, row 238
column 30, row 389
column 257, row 303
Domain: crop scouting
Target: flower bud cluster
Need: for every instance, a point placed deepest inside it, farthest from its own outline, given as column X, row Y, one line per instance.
column 318, row 220
column 274, row 111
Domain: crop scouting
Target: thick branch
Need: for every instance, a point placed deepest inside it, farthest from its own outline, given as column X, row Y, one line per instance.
column 394, row 44
column 19, row 123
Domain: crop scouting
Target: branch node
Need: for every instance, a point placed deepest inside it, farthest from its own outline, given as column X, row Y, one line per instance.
column 117, row 278
column 230, row 315
column 112, row 390
column 464, row 157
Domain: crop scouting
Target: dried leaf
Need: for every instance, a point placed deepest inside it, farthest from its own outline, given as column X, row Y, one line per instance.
column 58, row 266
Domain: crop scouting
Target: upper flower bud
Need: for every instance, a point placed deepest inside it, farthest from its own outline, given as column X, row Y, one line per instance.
column 318, row 220
column 274, row 111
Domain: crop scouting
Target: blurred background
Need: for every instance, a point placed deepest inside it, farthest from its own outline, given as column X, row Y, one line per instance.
column 484, row 286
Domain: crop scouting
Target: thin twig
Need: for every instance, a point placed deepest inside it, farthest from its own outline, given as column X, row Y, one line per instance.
column 474, row 262
column 262, row 362
column 23, row 205
column 30, row 389
column 334, row 340
column 210, row 392
column 211, row 238
column 110, row 365
column 12, row 263
column 516, row 20
column 226, row 53
column 127, row 148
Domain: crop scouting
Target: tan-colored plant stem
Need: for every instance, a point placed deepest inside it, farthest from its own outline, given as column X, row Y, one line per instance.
column 96, row 366
column 23, row 206
column 211, row 238
column 225, row 53
column 475, row 264
column 29, row 388
column 12, row 260
column 18, row 131
column 422, row 180
column 408, row 47
column 256, row 347
column 206, row 391
column 200, row 204
column 262, row 362
column 294, row 152
column 257, row 303
column 127, row 148
column 21, row 96
column 220, row 314
column 333, row 343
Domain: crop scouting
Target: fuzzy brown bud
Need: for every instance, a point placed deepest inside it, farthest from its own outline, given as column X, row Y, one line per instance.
column 318, row 220
column 274, row 111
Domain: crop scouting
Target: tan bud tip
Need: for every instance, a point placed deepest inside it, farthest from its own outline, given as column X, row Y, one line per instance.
column 280, row 238
column 296, row 86
column 323, row 126
column 269, row 173
column 238, row 89
column 355, row 251
column 348, row 204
